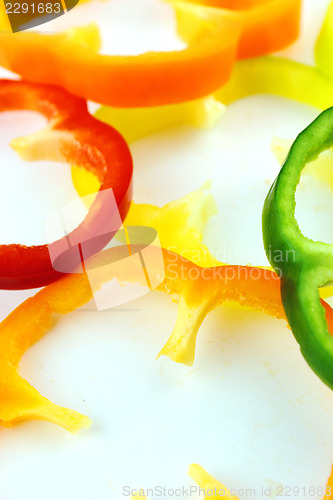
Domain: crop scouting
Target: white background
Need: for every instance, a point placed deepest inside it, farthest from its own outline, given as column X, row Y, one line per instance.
column 250, row 410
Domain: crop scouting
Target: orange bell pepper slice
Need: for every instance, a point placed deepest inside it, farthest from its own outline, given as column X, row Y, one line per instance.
column 199, row 289
column 157, row 78
column 267, row 25
column 329, row 487
column 149, row 79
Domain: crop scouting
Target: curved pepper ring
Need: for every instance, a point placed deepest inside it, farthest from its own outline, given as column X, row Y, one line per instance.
column 214, row 37
column 149, row 79
column 304, row 265
column 74, row 136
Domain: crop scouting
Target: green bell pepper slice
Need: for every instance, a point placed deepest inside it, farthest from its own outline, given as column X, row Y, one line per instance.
column 304, row 265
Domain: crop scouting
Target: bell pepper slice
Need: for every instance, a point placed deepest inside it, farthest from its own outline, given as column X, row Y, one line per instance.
column 329, row 487
column 212, row 487
column 72, row 135
column 198, row 289
column 140, row 494
column 136, row 123
column 267, row 25
column 278, row 76
column 178, row 221
column 217, row 490
column 27, row 324
column 311, row 263
column 149, row 79
column 189, row 216
column 321, row 168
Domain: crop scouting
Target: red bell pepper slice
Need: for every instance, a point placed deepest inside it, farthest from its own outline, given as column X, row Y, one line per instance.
column 74, row 136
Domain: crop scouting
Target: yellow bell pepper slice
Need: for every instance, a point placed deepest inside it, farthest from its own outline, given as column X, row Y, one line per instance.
column 277, row 76
column 18, row 399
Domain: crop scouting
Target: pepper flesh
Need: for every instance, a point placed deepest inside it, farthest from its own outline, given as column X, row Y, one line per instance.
column 72, row 135
column 149, row 79
column 312, row 262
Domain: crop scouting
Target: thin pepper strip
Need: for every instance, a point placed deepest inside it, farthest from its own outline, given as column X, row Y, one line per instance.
column 149, row 79
column 311, row 266
column 199, row 289
column 267, row 25
column 74, row 136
